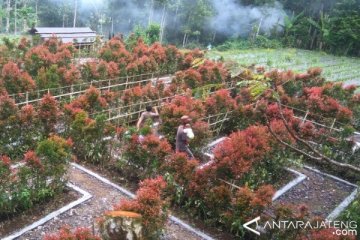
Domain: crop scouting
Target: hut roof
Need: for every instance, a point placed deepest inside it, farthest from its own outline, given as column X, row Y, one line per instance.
column 80, row 36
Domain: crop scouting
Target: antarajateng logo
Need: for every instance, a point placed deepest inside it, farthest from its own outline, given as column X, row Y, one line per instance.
column 339, row 228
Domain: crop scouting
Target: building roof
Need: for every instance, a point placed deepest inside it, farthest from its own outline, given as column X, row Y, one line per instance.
column 68, row 35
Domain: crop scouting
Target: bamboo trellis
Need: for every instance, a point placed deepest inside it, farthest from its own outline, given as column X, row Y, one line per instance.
column 71, row 91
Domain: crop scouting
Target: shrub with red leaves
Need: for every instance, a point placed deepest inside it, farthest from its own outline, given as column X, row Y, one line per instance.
column 189, row 78
column 173, row 59
column 114, row 50
column 70, row 75
column 66, row 234
column 90, row 137
column 150, row 204
column 219, row 102
column 9, row 125
column 247, row 203
column 91, row 101
column 212, row 72
column 180, row 106
column 147, row 153
column 278, row 127
column 180, row 167
column 14, row 80
column 33, row 161
column 236, row 155
column 50, row 52
column 190, row 56
column 8, row 108
column 132, row 95
column 48, row 113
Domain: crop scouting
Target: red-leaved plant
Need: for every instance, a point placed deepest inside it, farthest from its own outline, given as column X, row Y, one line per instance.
column 150, row 204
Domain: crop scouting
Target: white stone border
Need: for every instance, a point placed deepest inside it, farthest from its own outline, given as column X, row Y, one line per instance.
column 213, row 143
column 131, row 195
column 346, row 202
column 86, row 196
column 300, row 177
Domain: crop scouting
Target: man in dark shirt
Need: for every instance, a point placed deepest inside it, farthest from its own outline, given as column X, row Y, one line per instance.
column 182, row 140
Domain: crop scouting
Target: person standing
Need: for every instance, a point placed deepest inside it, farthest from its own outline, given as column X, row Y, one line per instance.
column 183, row 135
column 148, row 114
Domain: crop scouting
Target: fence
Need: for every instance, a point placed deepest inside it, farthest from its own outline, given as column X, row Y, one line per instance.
column 71, row 91
column 124, row 115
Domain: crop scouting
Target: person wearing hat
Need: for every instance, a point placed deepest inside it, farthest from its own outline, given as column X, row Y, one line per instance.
column 183, row 135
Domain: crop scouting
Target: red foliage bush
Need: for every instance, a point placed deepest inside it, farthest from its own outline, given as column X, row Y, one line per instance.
column 189, row 57
column 114, row 50
column 91, row 101
column 32, row 160
column 27, row 114
column 149, row 204
column 319, row 103
column 48, row 113
column 141, row 65
column 50, row 52
column 250, row 203
column 14, row 80
column 278, row 127
column 8, row 108
column 189, row 78
column 132, row 95
column 158, row 52
column 66, row 234
column 220, row 101
column 70, row 75
column 179, row 106
column 146, row 154
column 180, row 167
column 212, row 72
column 236, row 155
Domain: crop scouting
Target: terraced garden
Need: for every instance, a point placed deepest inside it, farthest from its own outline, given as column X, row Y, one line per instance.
column 335, row 68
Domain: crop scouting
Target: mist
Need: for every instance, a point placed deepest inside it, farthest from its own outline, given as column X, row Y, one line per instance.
column 234, row 20
column 230, row 18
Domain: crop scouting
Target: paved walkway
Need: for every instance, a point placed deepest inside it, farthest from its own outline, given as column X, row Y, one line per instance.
column 85, row 215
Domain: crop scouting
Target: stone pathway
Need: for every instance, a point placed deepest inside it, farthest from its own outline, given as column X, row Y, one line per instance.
column 85, row 215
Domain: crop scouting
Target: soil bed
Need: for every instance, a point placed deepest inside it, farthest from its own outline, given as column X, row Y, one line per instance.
column 40, row 210
column 320, row 193
column 115, row 176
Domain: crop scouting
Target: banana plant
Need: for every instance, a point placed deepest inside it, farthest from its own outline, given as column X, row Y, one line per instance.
column 197, row 62
column 289, row 22
column 205, row 91
column 322, row 26
column 256, row 87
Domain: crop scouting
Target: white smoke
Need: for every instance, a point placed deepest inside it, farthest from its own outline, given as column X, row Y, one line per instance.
column 234, row 19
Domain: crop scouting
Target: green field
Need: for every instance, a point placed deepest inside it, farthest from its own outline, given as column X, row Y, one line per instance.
column 335, row 68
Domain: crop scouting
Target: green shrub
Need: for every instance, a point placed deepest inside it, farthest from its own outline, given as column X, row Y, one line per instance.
column 40, row 177
column 259, row 42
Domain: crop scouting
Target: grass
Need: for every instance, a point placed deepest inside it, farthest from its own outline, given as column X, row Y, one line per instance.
column 335, row 68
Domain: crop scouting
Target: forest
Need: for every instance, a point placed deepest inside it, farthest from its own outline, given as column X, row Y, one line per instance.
column 325, row 25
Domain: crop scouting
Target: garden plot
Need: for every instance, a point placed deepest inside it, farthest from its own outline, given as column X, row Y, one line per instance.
column 105, row 195
column 290, row 179
column 335, row 68
column 322, row 193
column 41, row 213
column 326, row 195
